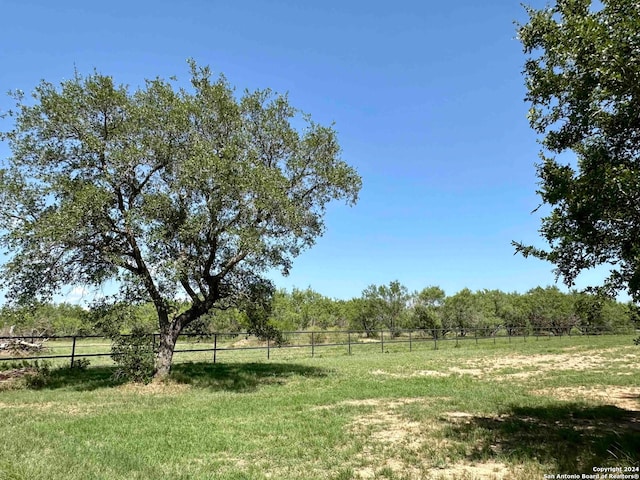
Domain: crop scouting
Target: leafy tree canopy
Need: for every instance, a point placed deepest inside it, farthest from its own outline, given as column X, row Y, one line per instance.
column 583, row 82
column 169, row 192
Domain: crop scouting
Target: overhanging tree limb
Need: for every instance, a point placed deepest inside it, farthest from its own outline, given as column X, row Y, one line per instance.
column 583, row 78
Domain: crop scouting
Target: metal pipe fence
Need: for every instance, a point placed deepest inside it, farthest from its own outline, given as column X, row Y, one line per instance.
column 74, row 347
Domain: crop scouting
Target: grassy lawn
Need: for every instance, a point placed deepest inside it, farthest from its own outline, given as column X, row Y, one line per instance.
column 504, row 410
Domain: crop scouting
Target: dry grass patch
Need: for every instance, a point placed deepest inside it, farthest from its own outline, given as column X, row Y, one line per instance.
column 458, row 415
column 627, row 398
column 548, row 362
column 154, row 388
column 79, row 409
column 416, row 450
column 417, row 373
column 373, row 402
column 474, row 372
column 536, row 365
column 528, row 365
column 389, row 436
column 489, row 470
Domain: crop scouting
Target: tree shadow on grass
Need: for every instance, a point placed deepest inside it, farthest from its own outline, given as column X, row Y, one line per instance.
column 85, row 379
column 236, row 377
column 571, row 437
column 240, row 377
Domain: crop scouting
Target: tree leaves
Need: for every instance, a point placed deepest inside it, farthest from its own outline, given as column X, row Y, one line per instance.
column 187, row 192
column 582, row 78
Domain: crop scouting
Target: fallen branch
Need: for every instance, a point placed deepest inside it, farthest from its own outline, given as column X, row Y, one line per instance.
column 18, row 345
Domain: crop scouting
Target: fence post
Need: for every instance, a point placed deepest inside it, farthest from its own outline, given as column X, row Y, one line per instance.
column 509, row 334
column 312, row 344
column 410, row 340
column 349, row 340
column 456, row 337
column 475, row 333
column 382, row 339
column 268, row 348
column 435, row 339
column 215, row 346
column 73, row 351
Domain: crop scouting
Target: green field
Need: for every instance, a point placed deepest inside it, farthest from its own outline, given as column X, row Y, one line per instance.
column 504, row 410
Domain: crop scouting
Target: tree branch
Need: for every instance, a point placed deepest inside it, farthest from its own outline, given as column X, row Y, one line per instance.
column 187, row 288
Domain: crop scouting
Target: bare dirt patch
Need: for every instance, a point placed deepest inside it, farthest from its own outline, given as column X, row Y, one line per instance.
column 418, row 373
column 412, row 449
column 388, row 430
column 474, row 372
column 478, row 471
column 535, row 365
column 526, row 366
column 550, row 362
column 455, row 415
column 15, row 373
column 627, row 398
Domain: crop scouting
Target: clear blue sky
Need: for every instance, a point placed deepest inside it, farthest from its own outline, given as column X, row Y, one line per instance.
column 427, row 98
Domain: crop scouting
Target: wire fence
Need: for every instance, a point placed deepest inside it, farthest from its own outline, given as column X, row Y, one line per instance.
column 216, row 346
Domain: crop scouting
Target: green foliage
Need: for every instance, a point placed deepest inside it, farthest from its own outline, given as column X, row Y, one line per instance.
column 550, row 309
column 485, row 311
column 134, row 355
column 304, row 310
column 581, row 77
column 81, row 363
column 110, row 317
column 463, row 311
column 427, row 310
column 45, row 319
column 390, row 303
column 230, row 320
column 167, row 192
column 365, row 314
column 40, row 377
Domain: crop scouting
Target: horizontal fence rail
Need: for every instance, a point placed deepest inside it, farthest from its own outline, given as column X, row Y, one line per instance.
column 73, row 347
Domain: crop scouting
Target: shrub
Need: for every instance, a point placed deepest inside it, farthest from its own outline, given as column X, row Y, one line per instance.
column 134, row 355
column 40, row 377
column 81, row 363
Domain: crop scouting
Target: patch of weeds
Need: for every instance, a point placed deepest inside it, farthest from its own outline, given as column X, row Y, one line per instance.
column 39, row 376
column 81, row 364
column 344, row 474
column 386, row 472
column 15, row 365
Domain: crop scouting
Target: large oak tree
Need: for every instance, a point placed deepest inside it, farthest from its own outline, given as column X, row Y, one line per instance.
column 166, row 192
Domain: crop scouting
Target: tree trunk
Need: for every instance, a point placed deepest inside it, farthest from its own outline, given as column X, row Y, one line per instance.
column 164, row 357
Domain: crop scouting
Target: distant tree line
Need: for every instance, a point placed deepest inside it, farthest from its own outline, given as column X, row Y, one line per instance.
column 390, row 307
